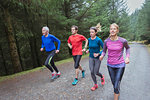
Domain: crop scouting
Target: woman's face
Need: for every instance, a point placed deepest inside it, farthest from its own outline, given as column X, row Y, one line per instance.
column 113, row 30
column 92, row 33
column 73, row 30
column 44, row 31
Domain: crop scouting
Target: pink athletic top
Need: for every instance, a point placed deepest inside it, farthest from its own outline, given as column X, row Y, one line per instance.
column 115, row 50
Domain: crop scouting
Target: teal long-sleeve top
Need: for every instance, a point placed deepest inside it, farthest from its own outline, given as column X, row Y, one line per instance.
column 48, row 42
column 94, row 46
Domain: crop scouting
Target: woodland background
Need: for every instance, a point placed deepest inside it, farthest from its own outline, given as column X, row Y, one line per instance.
column 21, row 22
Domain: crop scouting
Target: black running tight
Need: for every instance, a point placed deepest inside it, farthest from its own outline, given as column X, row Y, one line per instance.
column 77, row 59
column 116, row 76
column 49, row 63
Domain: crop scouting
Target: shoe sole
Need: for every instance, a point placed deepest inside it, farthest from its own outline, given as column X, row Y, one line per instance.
column 93, row 90
column 54, row 78
column 51, row 80
column 74, row 84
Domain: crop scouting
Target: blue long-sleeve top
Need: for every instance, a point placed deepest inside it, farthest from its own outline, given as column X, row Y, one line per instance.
column 48, row 42
column 94, row 46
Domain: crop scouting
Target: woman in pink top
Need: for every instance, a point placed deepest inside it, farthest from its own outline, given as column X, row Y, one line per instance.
column 115, row 61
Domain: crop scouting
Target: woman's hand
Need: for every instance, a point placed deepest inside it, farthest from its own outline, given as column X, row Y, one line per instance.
column 101, row 57
column 87, row 51
column 96, row 54
column 127, row 60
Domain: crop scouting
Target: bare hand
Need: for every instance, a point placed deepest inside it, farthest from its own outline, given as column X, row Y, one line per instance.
column 101, row 57
column 41, row 49
column 96, row 54
column 87, row 51
column 84, row 50
column 127, row 61
column 56, row 51
column 70, row 46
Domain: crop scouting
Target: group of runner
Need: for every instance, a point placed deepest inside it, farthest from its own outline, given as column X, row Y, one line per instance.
column 115, row 61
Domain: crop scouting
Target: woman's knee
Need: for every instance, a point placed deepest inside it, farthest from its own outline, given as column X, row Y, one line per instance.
column 76, row 66
column 116, row 90
column 97, row 72
column 117, row 87
column 92, row 73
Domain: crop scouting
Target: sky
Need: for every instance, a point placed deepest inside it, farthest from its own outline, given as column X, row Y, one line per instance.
column 134, row 4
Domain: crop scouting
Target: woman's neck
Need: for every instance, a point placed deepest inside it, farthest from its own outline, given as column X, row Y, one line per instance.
column 93, row 37
column 113, row 38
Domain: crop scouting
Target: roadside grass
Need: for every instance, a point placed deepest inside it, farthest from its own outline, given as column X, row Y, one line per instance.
column 145, row 42
column 2, row 78
column 148, row 46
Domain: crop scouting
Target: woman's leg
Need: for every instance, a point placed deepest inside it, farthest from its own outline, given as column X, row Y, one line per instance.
column 97, row 67
column 91, row 66
column 118, row 76
column 96, row 70
column 111, row 74
column 116, row 96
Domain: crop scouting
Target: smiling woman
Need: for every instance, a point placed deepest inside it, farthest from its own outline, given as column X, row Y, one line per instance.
column 115, row 61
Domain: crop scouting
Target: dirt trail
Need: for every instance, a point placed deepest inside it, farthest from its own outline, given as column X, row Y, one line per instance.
column 37, row 86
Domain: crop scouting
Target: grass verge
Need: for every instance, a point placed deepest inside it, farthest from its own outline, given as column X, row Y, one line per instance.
column 2, row 78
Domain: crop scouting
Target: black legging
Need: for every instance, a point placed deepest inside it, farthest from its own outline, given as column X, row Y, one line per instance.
column 49, row 63
column 77, row 59
column 116, row 76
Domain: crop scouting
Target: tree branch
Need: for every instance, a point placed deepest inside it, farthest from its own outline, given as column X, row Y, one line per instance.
column 86, row 10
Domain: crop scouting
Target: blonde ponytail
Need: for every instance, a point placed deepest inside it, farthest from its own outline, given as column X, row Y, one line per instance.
column 98, row 27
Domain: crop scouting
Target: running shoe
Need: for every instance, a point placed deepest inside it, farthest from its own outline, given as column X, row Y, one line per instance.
column 102, row 80
column 53, row 74
column 94, row 87
column 75, row 82
column 83, row 74
column 58, row 74
column 53, row 77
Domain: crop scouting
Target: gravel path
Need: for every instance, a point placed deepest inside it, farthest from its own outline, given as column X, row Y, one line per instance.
column 37, row 86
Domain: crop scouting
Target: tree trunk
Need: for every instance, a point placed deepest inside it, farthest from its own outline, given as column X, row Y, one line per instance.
column 12, row 44
column 36, row 54
column 18, row 49
column 3, row 60
column 33, row 54
column 32, row 40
